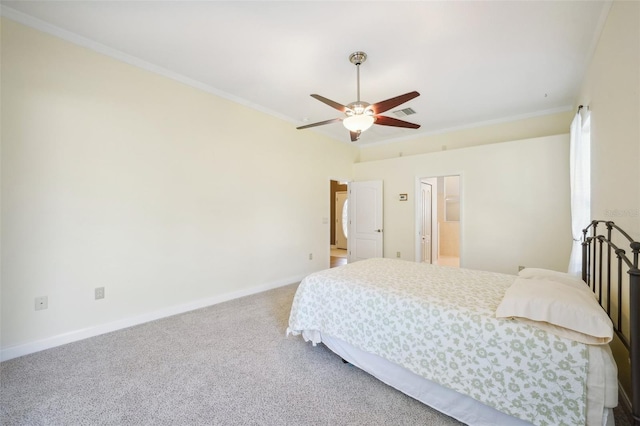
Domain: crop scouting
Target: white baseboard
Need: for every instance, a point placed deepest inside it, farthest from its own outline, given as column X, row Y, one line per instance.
column 76, row 335
column 624, row 399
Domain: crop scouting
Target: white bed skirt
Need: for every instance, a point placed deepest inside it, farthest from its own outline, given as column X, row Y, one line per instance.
column 445, row 400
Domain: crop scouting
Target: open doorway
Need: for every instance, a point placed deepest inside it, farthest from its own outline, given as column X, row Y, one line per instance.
column 438, row 220
column 339, row 234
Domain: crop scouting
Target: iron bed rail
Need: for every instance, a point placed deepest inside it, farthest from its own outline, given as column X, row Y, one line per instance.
column 593, row 249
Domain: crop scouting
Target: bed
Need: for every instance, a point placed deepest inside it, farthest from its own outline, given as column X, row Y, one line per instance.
column 433, row 333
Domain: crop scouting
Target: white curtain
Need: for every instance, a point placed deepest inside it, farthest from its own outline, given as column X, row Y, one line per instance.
column 580, row 170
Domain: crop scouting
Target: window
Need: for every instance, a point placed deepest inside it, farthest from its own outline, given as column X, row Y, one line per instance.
column 345, row 218
column 580, row 177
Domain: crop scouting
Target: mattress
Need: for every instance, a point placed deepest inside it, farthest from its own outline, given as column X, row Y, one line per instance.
column 439, row 324
column 443, row 399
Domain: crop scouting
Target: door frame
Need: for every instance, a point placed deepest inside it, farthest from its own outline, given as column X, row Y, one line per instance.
column 434, row 203
column 339, row 226
column 326, row 219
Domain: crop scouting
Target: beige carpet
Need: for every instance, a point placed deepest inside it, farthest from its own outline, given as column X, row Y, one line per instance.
column 229, row 364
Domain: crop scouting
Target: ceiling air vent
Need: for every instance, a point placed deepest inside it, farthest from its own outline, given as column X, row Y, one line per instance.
column 404, row 112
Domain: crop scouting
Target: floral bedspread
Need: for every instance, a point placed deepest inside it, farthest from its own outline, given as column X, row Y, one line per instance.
column 440, row 323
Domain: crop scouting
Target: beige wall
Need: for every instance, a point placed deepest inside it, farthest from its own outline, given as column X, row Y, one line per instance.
column 611, row 89
column 514, row 202
column 117, row 177
column 448, row 231
column 449, row 239
column 532, row 127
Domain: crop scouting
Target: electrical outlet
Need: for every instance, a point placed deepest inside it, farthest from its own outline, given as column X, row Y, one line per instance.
column 310, row 256
column 397, row 254
column 99, row 293
column 41, row 303
column 520, row 268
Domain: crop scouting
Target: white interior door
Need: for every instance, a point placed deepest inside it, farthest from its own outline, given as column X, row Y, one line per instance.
column 341, row 209
column 425, row 251
column 425, row 228
column 365, row 220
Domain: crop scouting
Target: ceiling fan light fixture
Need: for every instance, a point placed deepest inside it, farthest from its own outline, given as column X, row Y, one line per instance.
column 362, row 115
column 358, row 123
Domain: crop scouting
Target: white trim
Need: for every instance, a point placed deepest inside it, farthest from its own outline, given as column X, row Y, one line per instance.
column 79, row 40
column 333, row 246
column 624, row 399
column 85, row 333
column 509, row 119
column 417, row 212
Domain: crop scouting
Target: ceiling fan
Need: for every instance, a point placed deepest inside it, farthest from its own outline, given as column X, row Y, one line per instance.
column 362, row 115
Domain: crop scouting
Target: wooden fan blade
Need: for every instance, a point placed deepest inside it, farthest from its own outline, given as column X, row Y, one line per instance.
column 380, row 107
column 320, row 123
column 354, row 136
column 389, row 121
column 331, row 103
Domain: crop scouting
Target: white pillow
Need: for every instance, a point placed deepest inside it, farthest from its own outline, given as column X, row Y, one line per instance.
column 559, row 277
column 564, row 310
column 540, row 272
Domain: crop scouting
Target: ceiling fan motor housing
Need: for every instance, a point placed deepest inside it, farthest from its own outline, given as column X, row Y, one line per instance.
column 357, row 58
column 357, row 108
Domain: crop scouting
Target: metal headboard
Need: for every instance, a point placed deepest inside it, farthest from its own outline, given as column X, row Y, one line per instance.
column 593, row 251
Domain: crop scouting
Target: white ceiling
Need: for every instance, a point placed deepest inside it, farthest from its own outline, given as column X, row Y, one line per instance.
column 473, row 62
